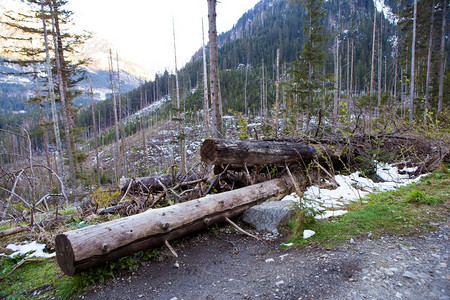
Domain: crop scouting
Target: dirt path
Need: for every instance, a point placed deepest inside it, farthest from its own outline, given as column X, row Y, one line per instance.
column 228, row 265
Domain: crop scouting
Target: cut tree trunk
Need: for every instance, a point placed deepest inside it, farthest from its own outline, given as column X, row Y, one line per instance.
column 238, row 153
column 87, row 247
column 151, row 184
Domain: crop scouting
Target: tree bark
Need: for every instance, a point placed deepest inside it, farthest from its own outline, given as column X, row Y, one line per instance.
column 372, row 65
column 94, row 127
column 118, row 157
column 442, row 57
column 84, row 248
column 216, row 104
column 205, row 85
column 122, row 133
column 239, row 153
column 427, row 83
column 413, row 53
column 51, row 88
column 151, row 184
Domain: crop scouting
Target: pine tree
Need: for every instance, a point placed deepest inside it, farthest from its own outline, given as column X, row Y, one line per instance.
column 307, row 77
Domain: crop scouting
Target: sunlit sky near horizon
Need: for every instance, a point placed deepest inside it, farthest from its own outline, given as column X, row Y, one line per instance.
column 141, row 30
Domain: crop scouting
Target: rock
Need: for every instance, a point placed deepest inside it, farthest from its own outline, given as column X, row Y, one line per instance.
column 352, row 241
column 408, row 274
column 270, row 260
column 395, row 270
column 278, row 283
column 269, row 216
column 388, row 272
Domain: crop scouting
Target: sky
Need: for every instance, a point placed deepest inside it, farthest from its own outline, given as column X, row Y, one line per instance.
column 141, row 30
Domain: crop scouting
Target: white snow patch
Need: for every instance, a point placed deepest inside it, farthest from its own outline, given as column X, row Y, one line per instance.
column 33, row 249
column 331, row 202
column 382, row 7
column 308, row 233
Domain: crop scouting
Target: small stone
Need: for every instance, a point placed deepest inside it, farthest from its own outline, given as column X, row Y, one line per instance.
column 398, row 295
column 270, row 260
column 395, row 270
column 176, row 265
column 283, row 256
column 410, row 275
column 352, row 241
column 278, row 283
column 140, row 296
column 275, row 232
column 388, row 272
column 174, row 298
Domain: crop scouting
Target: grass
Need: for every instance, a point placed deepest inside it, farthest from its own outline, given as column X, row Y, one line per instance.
column 407, row 210
column 32, row 280
column 44, row 280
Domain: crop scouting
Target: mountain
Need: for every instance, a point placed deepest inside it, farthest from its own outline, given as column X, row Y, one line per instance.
column 254, row 40
column 16, row 88
column 278, row 24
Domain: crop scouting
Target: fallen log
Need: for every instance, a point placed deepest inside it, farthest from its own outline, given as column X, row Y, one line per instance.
column 14, row 230
column 239, row 153
column 147, row 184
column 84, row 248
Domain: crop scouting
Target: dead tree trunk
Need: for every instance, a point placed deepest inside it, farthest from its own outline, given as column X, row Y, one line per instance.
column 94, row 245
column 216, row 104
column 147, row 184
column 239, row 153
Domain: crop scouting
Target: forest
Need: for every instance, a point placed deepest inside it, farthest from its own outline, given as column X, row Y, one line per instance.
column 297, row 92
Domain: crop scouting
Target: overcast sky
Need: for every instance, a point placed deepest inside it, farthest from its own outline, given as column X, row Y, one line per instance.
column 142, row 29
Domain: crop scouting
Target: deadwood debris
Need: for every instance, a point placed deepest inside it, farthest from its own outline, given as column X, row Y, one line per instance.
column 84, row 248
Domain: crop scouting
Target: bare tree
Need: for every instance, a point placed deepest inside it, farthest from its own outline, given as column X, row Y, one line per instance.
column 442, row 57
column 336, row 79
column 122, row 134
column 214, row 71
column 380, row 64
column 372, row 65
column 277, row 92
column 180, row 118
column 51, row 89
column 118, row 155
column 413, row 50
column 94, row 127
column 205, row 85
column 62, row 95
column 430, row 50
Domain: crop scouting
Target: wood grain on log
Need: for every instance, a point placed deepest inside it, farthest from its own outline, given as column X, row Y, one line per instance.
column 14, row 230
column 84, row 248
column 250, row 153
column 151, row 183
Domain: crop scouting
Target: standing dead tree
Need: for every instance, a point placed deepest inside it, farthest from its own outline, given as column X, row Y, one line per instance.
column 214, row 71
column 26, row 188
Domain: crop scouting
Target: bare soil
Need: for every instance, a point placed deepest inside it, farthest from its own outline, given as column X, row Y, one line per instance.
column 223, row 264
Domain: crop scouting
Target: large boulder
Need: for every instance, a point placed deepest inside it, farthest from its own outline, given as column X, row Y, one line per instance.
column 269, row 216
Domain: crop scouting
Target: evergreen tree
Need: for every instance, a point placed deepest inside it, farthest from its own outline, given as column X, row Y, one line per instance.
column 307, row 76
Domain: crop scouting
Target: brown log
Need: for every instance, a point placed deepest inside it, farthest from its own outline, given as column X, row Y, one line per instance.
column 14, row 230
column 239, row 153
column 84, row 248
column 151, row 184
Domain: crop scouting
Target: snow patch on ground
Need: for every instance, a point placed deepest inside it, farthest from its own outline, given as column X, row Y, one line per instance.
column 332, row 202
column 31, row 249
